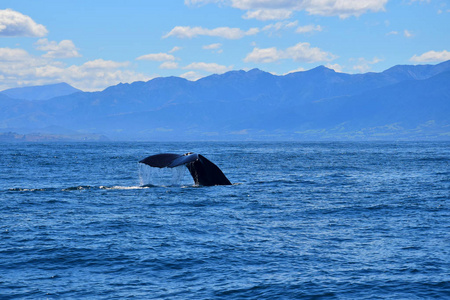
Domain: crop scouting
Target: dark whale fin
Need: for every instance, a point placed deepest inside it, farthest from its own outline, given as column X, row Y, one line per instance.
column 203, row 171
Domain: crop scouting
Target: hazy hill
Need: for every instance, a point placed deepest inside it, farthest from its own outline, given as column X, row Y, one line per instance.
column 403, row 102
column 41, row 92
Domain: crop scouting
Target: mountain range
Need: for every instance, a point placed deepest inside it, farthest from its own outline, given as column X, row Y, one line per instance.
column 402, row 103
column 41, row 92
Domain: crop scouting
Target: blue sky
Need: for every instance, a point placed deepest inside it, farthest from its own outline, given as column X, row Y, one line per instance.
column 95, row 44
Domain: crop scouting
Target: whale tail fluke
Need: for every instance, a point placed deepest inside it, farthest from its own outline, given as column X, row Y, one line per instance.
column 202, row 170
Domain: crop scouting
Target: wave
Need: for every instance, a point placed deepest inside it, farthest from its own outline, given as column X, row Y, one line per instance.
column 31, row 189
column 76, row 188
column 116, row 187
column 88, row 187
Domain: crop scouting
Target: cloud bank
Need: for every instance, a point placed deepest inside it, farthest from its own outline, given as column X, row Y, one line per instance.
column 13, row 23
column 432, row 56
column 223, row 32
column 157, row 57
column 19, row 68
column 208, row 67
column 301, row 52
column 63, row 49
column 282, row 9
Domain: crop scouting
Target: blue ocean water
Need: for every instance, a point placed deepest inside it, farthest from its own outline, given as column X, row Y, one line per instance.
column 302, row 221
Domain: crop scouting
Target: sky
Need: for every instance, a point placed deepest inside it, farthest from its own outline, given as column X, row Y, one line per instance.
column 95, row 44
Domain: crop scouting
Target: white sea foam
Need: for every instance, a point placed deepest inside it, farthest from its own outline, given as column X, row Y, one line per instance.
column 123, row 187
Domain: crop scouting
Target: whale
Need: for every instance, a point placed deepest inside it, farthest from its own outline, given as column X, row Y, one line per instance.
column 202, row 170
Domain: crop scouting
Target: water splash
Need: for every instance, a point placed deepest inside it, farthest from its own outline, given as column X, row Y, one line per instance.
column 117, row 187
column 162, row 177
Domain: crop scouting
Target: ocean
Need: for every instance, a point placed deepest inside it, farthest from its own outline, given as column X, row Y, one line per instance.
column 324, row 220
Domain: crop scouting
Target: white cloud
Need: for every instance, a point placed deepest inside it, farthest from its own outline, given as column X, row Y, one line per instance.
column 169, row 65
column 10, row 55
column 266, row 55
column 295, row 71
column 18, row 65
column 208, row 67
column 408, row 33
column 303, row 52
column 336, row 67
column 343, row 9
column 308, row 28
column 363, row 65
column 13, row 23
column 279, row 26
column 175, row 49
column 392, row 33
column 283, row 9
column 362, row 68
column 63, row 49
column 19, row 68
column 215, row 48
column 252, row 31
column 157, row 57
column 223, row 32
column 291, row 24
column 99, row 74
column 432, row 56
column 300, row 52
column 268, row 14
column 191, row 75
column 212, row 46
column 104, row 64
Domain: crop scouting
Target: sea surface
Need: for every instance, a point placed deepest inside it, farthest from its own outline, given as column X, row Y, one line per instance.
column 368, row 220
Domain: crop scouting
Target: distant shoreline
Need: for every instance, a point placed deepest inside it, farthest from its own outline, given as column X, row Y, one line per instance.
column 38, row 137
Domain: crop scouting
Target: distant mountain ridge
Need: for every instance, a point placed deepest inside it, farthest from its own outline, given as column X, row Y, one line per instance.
column 41, row 92
column 403, row 102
